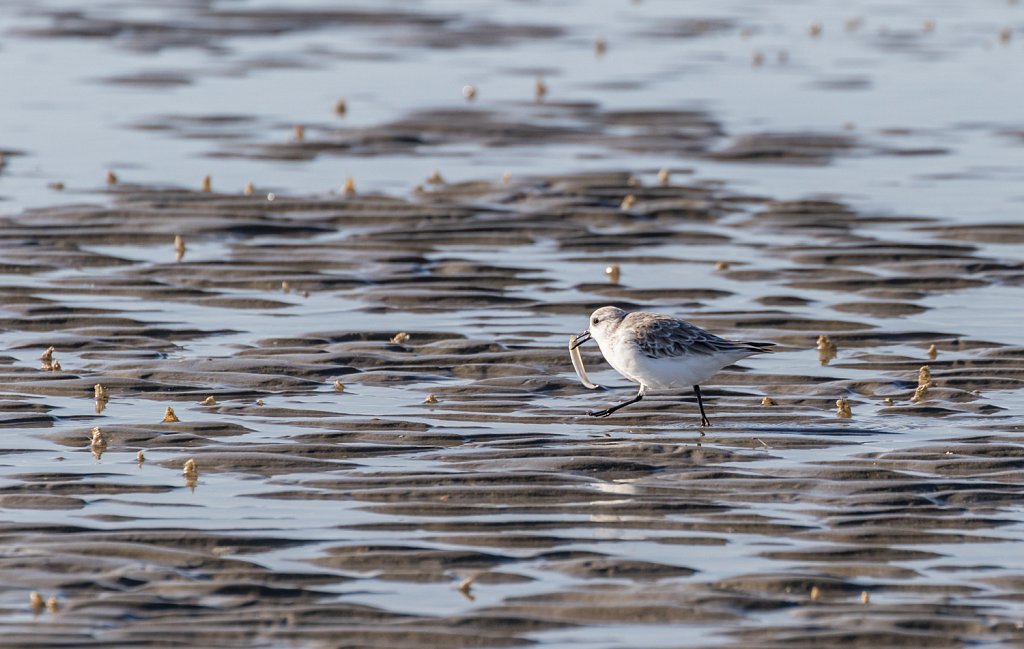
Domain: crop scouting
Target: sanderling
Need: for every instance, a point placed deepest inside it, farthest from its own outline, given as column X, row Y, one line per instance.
column 661, row 352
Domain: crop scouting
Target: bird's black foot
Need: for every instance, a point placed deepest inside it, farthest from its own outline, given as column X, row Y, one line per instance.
column 700, row 402
column 615, row 408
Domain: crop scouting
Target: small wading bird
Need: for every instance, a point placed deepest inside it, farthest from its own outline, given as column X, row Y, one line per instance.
column 661, row 352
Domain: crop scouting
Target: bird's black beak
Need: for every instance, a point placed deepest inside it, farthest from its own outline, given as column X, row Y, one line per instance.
column 580, row 339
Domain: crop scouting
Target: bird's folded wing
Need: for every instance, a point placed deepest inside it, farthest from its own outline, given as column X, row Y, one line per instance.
column 669, row 337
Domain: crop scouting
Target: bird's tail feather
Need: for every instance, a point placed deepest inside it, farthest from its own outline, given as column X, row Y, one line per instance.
column 758, row 348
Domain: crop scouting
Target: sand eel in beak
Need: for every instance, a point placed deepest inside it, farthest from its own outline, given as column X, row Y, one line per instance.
column 661, row 352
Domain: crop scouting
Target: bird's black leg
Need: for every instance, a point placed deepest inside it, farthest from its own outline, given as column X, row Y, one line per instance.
column 610, row 410
column 700, row 402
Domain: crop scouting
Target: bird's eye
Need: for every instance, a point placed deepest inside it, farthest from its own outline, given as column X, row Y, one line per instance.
column 595, row 321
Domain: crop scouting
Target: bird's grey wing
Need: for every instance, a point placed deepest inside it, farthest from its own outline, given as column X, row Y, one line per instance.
column 661, row 337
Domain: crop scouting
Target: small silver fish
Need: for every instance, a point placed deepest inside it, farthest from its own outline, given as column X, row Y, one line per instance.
column 577, row 364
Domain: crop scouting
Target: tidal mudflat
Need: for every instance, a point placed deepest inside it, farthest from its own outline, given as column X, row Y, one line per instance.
column 377, row 439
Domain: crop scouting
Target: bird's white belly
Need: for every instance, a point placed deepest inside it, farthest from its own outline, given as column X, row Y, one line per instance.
column 669, row 372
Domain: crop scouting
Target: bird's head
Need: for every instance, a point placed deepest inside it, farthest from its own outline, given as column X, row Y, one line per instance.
column 602, row 323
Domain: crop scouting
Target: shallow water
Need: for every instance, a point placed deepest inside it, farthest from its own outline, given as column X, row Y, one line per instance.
column 866, row 187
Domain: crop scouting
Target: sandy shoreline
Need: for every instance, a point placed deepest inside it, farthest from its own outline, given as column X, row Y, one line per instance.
column 558, row 521
column 380, row 441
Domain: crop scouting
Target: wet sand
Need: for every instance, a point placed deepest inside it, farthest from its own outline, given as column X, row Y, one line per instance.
column 559, row 522
column 388, row 445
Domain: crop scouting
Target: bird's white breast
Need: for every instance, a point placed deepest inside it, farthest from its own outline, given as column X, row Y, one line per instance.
column 670, row 372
